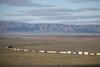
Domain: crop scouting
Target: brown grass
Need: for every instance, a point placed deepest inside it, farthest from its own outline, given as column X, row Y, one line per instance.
column 10, row 58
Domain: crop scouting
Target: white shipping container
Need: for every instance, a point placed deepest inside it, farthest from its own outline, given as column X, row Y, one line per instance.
column 25, row 50
column 41, row 51
column 69, row 52
column 80, row 52
column 98, row 53
column 86, row 53
column 51, row 52
column 62, row 52
column 18, row 49
column 91, row 53
column 74, row 53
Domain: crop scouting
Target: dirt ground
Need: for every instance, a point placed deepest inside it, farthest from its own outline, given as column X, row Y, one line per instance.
column 10, row 58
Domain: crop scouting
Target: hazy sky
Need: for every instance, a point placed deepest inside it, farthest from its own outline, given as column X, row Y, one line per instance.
column 51, row 11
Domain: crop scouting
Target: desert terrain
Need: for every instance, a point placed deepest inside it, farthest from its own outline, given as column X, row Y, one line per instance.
column 11, row 58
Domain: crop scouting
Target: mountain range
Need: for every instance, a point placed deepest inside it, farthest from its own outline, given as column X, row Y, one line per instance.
column 11, row 26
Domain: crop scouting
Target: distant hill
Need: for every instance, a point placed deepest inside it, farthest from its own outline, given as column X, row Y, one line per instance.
column 8, row 26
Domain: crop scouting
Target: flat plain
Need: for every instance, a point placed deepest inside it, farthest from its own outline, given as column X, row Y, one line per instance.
column 11, row 58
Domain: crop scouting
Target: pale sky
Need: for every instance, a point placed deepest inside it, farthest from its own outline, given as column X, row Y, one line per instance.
column 51, row 11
